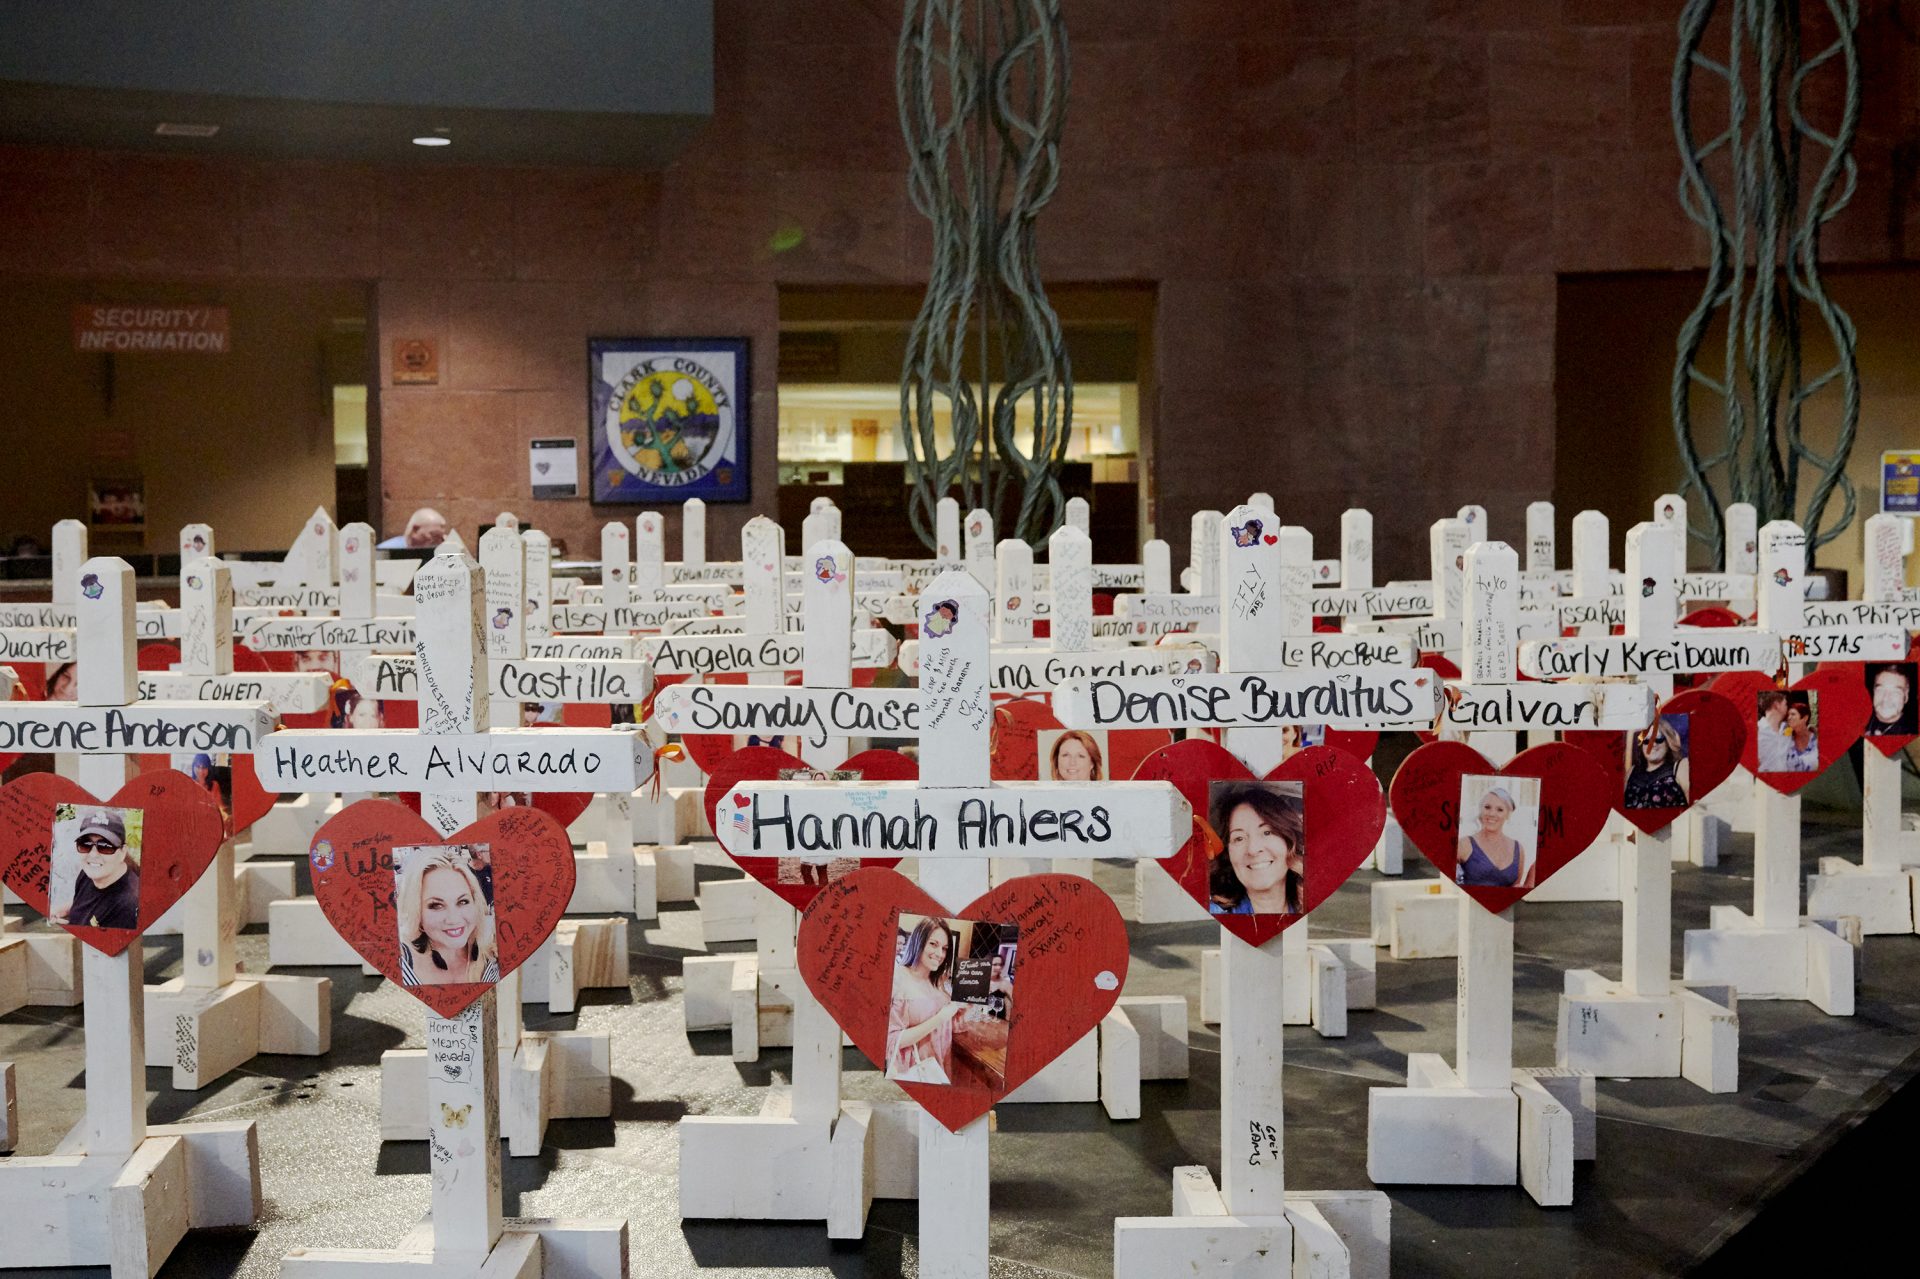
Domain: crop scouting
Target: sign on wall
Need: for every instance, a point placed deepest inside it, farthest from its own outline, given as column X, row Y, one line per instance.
column 161, row 329
column 1900, row 483
column 669, row 418
column 554, row 467
column 416, row 362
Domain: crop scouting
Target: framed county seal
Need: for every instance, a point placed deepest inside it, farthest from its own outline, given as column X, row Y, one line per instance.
column 669, row 418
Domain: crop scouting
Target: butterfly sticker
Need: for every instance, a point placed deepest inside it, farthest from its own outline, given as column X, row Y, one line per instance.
column 455, row 1116
column 1247, row 534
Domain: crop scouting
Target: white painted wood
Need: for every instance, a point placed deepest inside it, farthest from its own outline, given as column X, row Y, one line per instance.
column 1079, row 515
column 946, row 520
column 1540, row 537
column 1070, row 564
column 1013, row 592
column 1743, row 540
column 649, row 556
column 1203, row 554
column 616, row 565
column 1156, row 560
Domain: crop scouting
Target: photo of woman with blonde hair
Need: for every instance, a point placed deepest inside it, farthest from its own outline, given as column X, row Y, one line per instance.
column 446, row 923
column 1657, row 765
column 1489, row 853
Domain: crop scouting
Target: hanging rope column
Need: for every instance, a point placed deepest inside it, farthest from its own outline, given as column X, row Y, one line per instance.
column 1763, row 270
column 982, row 90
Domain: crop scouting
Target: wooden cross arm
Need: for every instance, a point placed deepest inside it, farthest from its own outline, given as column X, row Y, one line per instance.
column 723, row 654
column 1479, row 708
column 826, row 820
column 1389, row 699
column 396, row 677
column 144, row 728
column 599, row 760
column 328, row 634
column 288, row 692
column 814, row 714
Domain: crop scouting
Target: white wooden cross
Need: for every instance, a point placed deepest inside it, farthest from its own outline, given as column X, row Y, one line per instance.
column 452, row 758
column 162, row 1180
column 1883, row 888
column 1144, row 819
column 1644, row 1025
column 1479, row 1121
column 1775, row 953
column 213, row 1019
column 823, row 713
column 1264, row 605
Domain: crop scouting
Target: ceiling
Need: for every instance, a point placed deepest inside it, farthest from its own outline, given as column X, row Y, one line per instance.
column 506, row 82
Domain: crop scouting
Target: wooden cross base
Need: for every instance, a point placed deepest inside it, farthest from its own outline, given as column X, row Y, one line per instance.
column 580, row 1248
column 1691, row 1033
column 41, row 969
column 1883, row 901
column 1343, row 1233
column 773, row 1167
column 15, row 960
column 202, row 1032
column 547, row 1075
column 129, row 1213
column 1436, row 1131
column 1813, row 961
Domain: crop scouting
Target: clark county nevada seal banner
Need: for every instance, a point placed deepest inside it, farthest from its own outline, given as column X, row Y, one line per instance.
column 669, row 418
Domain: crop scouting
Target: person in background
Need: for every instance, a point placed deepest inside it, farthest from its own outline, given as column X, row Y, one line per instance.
column 426, row 528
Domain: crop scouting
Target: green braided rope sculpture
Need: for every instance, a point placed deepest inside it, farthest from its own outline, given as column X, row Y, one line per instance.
column 1763, row 274
column 983, row 95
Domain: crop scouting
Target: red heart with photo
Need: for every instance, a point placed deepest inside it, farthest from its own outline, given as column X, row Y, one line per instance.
column 62, row 850
column 1893, row 699
column 1522, row 822
column 1797, row 729
column 795, row 881
column 1659, row 772
column 1016, row 977
column 1320, row 802
column 1030, row 745
column 442, row 916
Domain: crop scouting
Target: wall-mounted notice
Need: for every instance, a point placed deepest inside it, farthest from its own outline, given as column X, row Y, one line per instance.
column 1900, row 483
column 151, row 329
column 554, row 467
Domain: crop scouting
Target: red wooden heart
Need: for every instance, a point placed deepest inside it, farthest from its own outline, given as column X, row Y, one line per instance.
column 355, row 878
column 180, row 832
column 233, row 784
column 1841, row 710
column 1712, row 735
column 1019, row 721
column 1070, row 961
column 1344, row 813
column 1892, row 736
column 803, row 880
column 1571, row 803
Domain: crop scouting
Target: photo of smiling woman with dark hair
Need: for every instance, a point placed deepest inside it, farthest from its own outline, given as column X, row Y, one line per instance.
column 445, row 918
column 1261, row 866
column 952, row 1000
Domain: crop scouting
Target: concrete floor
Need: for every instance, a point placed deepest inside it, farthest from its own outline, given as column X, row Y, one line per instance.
column 1678, row 1171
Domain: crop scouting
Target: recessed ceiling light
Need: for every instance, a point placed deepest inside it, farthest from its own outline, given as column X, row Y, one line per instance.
column 169, row 130
column 432, row 140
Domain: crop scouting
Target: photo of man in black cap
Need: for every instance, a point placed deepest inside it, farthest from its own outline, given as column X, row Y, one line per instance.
column 94, row 853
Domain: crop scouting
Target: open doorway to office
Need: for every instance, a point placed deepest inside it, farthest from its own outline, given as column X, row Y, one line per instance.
column 841, row 353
